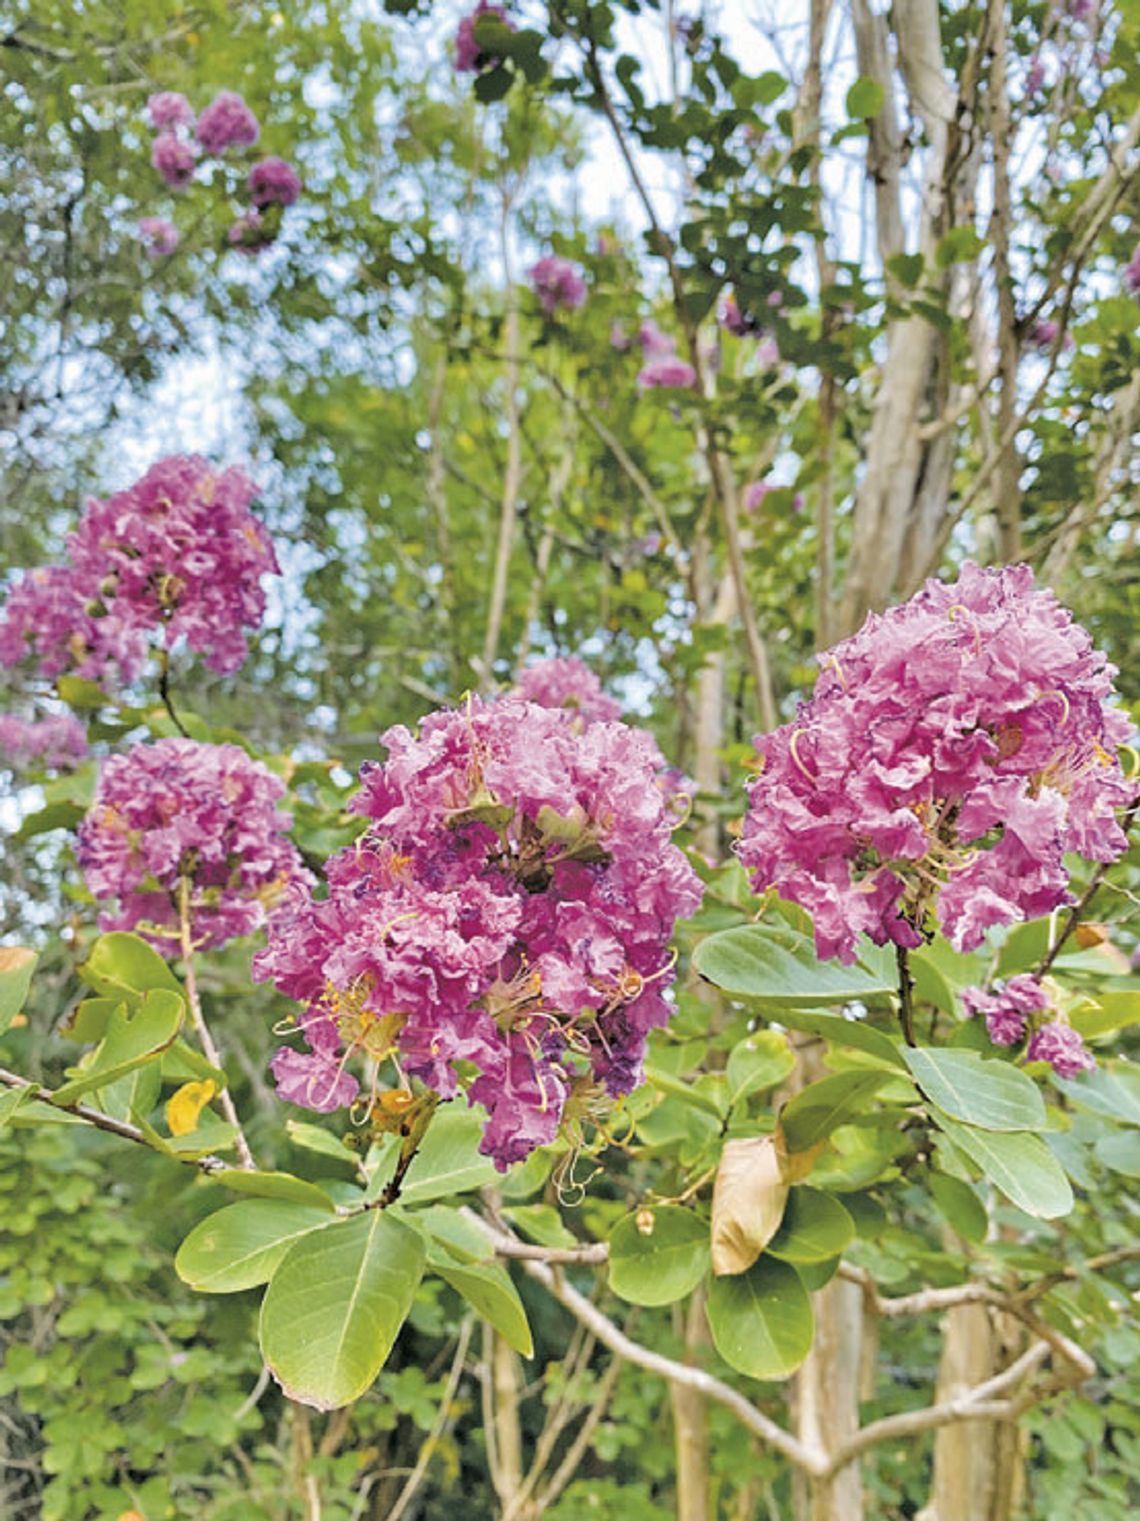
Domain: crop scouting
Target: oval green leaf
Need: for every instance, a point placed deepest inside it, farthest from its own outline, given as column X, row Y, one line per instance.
column 448, row 1160
column 17, row 963
column 780, row 966
column 991, row 1094
column 760, row 1061
column 335, row 1306
column 122, row 965
column 761, row 1321
column 660, row 1264
column 488, row 1289
column 274, row 1185
column 822, row 1107
column 240, row 1246
column 815, row 1228
column 1020, row 1165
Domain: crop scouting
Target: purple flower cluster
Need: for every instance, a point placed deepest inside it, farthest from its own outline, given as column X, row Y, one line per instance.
column 227, row 122
column 567, row 682
column 1014, row 1008
column 168, row 111
column 557, row 283
column 174, row 159
column 159, row 235
column 1132, row 273
column 182, row 810
column 508, row 910
column 952, row 752
column 179, row 551
column 59, row 740
column 469, row 56
column 273, row 182
column 667, row 374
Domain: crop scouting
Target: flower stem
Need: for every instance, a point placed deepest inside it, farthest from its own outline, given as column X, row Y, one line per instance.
column 164, row 692
column 408, row 1148
column 906, row 994
column 198, row 1020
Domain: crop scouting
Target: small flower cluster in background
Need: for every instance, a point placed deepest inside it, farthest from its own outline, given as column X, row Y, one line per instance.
column 1014, row 1010
column 508, row 910
column 180, row 810
column 469, row 56
column 558, row 284
column 226, row 124
column 953, row 751
column 178, row 552
column 57, row 740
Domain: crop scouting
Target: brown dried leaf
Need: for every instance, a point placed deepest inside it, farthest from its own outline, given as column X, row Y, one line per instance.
column 749, row 1196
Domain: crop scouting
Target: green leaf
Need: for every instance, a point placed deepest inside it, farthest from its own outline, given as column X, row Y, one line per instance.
column 658, row 1255
column 761, row 1321
column 17, row 963
column 960, row 1206
column 87, row 1023
column 274, row 1185
column 77, row 692
column 10, row 1101
column 492, row 85
column 542, row 1224
column 122, row 965
column 240, row 1246
column 683, row 1089
column 316, row 1138
column 182, row 1064
column 822, row 1107
column 448, row 1161
column 779, row 966
column 906, row 268
column 1112, row 1091
column 459, row 1233
column 1110, row 1011
column 992, row 1094
column 815, row 1228
column 958, row 246
column 1020, row 1165
column 336, row 1304
column 856, row 1033
column 488, row 1289
column 760, row 1061
column 133, row 1037
column 1120, row 1152
column 864, row 99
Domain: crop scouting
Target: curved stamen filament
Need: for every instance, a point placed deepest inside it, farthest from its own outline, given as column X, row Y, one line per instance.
column 793, row 751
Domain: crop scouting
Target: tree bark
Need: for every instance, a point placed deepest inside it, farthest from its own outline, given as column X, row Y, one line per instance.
column 826, row 1404
column 691, row 1424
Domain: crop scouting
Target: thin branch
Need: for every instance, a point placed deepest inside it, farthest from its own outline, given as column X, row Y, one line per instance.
column 202, row 1029
column 1082, row 903
column 101, row 1121
column 439, row 1425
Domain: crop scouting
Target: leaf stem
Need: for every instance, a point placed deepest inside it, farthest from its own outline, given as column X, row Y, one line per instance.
column 164, row 692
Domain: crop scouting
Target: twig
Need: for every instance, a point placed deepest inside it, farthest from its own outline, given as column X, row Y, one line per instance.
column 443, row 1416
column 164, row 692
column 198, row 1019
column 1086, row 897
column 99, row 1120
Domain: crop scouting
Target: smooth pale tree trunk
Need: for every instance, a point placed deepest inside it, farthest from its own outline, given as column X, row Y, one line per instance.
column 825, row 1405
column 978, row 1465
column 691, row 1424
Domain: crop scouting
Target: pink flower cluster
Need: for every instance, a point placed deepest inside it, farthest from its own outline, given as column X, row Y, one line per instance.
column 662, row 367
column 160, row 236
column 469, row 56
column 1014, row 1008
column 952, row 752
column 59, row 740
column 179, row 809
column 508, row 910
column 227, row 122
column 567, row 682
column 179, row 551
column 557, row 283
column 1132, row 273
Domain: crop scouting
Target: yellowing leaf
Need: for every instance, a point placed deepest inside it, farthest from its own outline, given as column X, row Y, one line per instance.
column 184, row 1107
column 749, row 1196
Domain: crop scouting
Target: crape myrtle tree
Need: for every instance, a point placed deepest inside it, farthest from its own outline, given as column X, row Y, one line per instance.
column 569, row 1100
